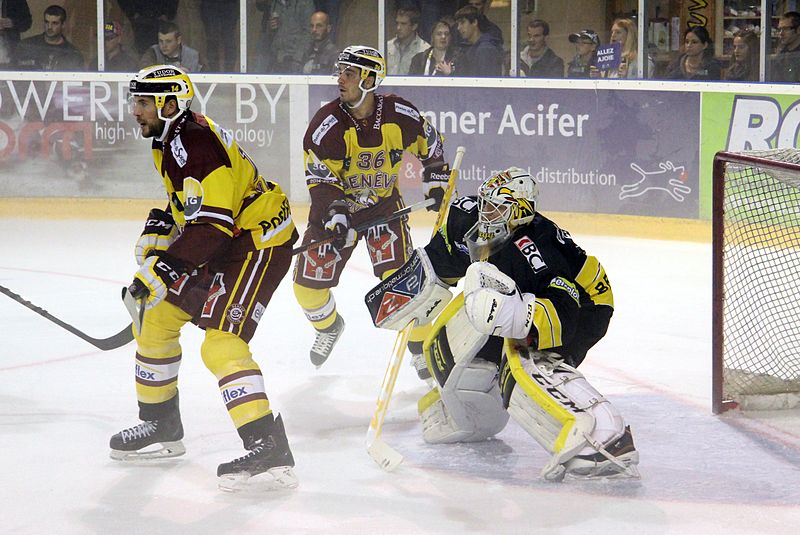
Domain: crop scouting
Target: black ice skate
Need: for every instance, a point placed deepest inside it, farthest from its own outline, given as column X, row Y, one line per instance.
column 153, row 439
column 268, row 466
column 325, row 340
column 619, row 461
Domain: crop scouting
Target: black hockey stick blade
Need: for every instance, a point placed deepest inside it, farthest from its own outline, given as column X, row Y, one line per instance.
column 367, row 224
column 135, row 309
column 104, row 344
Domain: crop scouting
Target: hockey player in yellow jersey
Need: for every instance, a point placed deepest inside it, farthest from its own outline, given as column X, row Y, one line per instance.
column 214, row 257
column 353, row 147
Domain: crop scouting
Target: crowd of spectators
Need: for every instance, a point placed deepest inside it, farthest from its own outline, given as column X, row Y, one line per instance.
column 423, row 37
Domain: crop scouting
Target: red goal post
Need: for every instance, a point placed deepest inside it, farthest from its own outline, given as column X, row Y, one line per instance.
column 756, row 280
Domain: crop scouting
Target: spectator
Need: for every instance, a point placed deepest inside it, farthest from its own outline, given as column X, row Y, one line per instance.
column 145, row 17
column 50, row 51
column 537, row 60
column 438, row 59
column 331, row 7
column 117, row 58
column 170, row 50
column 486, row 25
column 745, row 58
column 322, row 53
column 406, row 44
column 481, row 55
column 623, row 31
column 586, row 43
column 698, row 61
column 221, row 21
column 785, row 64
column 431, row 12
column 15, row 18
column 287, row 35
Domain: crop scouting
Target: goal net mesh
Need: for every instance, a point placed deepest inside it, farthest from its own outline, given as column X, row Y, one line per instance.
column 761, row 280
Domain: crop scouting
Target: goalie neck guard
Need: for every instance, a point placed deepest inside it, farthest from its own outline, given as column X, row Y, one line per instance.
column 505, row 201
column 162, row 82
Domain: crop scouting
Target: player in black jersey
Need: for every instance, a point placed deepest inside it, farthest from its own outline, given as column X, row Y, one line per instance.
column 533, row 304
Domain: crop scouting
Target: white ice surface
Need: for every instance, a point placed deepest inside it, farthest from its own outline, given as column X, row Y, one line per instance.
column 61, row 400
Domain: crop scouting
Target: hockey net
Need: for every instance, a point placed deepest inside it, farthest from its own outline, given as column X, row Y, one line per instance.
column 756, row 280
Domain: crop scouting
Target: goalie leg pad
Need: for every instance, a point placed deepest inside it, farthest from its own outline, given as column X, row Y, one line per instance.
column 468, row 409
column 558, row 407
column 467, row 406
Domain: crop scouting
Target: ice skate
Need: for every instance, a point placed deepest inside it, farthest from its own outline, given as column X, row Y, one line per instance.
column 153, row 439
column 325, row 340
column 619, row 464
column 268, row 466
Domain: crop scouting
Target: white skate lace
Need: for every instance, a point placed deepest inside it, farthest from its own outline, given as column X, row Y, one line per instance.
column 143, row 430
column 324, row 342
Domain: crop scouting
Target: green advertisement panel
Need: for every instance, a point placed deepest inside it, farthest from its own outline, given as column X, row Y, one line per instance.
column 743, row 121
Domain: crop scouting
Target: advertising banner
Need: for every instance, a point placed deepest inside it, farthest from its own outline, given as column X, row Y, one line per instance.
column 67, row 138
column 736, row 122
column 605, row 151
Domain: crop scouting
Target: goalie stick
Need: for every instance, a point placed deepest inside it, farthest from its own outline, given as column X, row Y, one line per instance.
column 387, row 457
column 367, row 224
column 104, row 344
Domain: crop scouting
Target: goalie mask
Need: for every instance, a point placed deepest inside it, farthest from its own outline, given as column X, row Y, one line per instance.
column 505, row 201
column 369, row 61
column 161, row 82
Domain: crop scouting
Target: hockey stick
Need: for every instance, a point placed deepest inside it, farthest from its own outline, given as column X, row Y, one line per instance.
column 104, row 344
column 368, row 224
column 387, row 457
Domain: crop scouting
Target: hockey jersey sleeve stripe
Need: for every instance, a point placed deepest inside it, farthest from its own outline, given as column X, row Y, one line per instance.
column 547, row 323
column 592, row 277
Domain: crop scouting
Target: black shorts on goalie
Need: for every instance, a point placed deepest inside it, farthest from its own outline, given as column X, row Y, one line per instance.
column 267, row 466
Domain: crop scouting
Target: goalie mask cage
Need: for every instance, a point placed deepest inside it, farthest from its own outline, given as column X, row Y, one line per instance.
column 756, row 280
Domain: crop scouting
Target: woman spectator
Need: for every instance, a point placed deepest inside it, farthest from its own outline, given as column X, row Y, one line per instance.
column 623, row 31
column 745, row 58
column 698, row 61
column 438, row 59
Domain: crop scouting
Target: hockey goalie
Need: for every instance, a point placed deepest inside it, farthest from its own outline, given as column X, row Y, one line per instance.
column 533, row 304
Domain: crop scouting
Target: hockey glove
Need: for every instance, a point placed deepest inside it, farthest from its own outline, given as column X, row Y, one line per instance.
column 338, row 223
column 152, row 281
column 159, row 232
column 434, row 184
column 494, row 304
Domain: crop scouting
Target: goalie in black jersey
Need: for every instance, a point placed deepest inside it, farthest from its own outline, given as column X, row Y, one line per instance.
column 533, row 304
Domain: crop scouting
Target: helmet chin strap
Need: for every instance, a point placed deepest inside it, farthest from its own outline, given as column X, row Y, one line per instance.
column 364, row 92
column 167, row 122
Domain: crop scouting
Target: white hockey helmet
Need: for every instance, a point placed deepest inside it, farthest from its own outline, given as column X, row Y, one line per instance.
column 162, row 81
column 505, row 201
column 368, row 60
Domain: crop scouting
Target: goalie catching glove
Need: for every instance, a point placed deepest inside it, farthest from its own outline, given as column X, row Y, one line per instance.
column 338, row 223
column 434, row 185
column 157, row 273
column 494, row 304
column 159, row 232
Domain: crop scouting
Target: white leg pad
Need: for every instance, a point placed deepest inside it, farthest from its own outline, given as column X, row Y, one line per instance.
column 469, row 407
column 564, row 413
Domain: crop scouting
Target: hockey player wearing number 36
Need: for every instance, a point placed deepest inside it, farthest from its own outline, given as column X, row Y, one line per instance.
column 533, row 304
column 353, row 149
column 214, row 257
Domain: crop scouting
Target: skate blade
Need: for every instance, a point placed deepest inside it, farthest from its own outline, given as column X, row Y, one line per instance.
column 165, row 450
column 278, row 478
column 608, row 471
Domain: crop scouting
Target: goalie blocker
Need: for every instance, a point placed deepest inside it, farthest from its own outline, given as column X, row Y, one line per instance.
column 413, row 292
